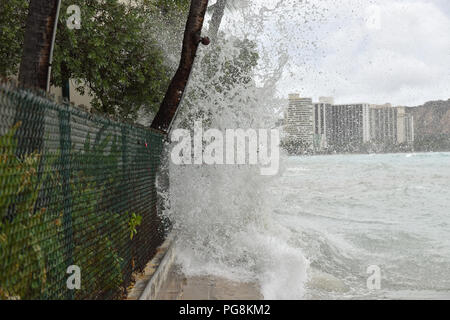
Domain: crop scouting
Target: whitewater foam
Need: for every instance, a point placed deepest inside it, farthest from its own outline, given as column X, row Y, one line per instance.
column 233, row 223
column 225, row 228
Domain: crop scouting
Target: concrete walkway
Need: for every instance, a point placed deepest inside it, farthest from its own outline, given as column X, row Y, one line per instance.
column 179, row 287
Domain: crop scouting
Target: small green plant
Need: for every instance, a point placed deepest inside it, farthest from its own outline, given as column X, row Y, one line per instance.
column 29, row 233
column 135, row 221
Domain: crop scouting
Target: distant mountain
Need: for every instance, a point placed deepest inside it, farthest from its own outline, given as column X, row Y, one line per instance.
column 432, row 126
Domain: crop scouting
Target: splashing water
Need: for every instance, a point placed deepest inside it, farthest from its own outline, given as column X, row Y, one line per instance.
column 222, row 214
column 312, row 231
column 225, row 228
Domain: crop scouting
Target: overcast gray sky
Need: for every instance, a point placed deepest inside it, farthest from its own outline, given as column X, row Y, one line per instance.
column 373, row 51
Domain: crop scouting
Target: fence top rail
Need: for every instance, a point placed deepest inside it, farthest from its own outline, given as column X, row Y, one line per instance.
column 8, row 90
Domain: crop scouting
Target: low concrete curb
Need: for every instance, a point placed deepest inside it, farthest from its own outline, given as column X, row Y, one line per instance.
column 149, row 282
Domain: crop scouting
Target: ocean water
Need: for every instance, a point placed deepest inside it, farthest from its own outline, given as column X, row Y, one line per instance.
column 313, row 231
column 349, row 212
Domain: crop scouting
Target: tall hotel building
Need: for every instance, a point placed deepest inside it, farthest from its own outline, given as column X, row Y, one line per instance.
column 383, row 124
column 324, row 125
column 347, row 125
column 405, row 126
column 299, row 119
column 390, row 125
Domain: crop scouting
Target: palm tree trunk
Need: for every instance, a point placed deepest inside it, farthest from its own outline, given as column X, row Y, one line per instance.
column 191, row 41
column 41, row 23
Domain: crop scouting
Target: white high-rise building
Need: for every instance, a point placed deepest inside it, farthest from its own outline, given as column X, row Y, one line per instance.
column 321, row 114
column 300, row 122
column 405, row 126
column 346, row 127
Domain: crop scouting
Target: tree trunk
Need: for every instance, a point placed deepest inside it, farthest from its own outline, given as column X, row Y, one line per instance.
column 216, row 19
column 37, row 46
column 174, row 94
column 34, row 72
column 65, row 75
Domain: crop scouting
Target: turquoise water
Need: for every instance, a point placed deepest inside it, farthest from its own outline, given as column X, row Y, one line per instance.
column 348, row 212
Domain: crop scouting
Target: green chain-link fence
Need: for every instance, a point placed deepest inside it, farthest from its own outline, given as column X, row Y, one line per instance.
column 75, row 189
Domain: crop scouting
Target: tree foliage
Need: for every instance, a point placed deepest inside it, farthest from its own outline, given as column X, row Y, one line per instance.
column 432, row 142
column 13, row 15
column 123, row 70
column 112, row 55
column 295, row 146
column 171, row 6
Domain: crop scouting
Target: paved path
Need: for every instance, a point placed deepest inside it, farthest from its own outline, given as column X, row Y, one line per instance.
column 179, row 287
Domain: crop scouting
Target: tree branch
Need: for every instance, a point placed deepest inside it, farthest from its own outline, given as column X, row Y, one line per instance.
column 191, row 41
column 216, row 18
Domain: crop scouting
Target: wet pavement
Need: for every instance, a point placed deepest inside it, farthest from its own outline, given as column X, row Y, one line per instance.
column 179, row 287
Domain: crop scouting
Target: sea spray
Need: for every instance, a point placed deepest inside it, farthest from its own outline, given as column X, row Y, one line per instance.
column 222, row 214
column 343, row 212
column 223, row 219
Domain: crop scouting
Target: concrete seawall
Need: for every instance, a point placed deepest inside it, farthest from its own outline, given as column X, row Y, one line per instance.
column 149, row 282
